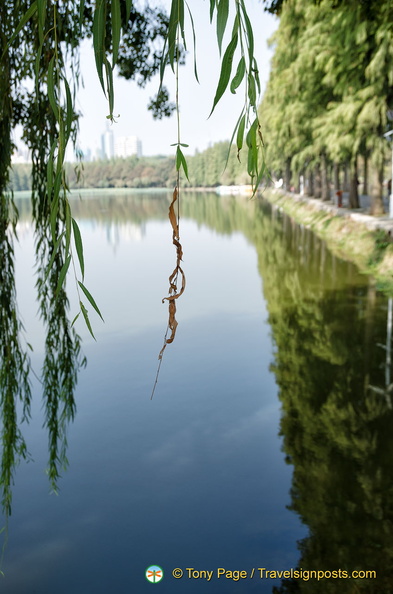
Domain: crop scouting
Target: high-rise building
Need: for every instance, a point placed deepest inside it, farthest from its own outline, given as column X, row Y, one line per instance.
column 126, row 146
column 107, row 144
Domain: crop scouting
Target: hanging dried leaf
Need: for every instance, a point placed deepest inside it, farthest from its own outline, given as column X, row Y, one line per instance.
column 174, row 279
column 172, row 214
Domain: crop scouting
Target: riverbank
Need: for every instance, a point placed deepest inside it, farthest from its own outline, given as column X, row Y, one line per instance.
column 352, row 235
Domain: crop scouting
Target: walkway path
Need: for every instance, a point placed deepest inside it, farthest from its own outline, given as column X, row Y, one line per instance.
column 360, row 214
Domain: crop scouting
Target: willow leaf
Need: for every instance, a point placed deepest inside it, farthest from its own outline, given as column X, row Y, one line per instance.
column 172, row 31
column 110, row 87
column 240, row 72
column 41, row 8
column 26, row 17
column 251, row 140
column 178, row 158
column 256, row 75
column 250, row 34
column 212, row 7
column 76, row 317
column 163, row 63
column 53, row 256
column 86, row 316
column 240, row 134
column 181, row 22
column 129, row 4
column 252, row 91
column 61, row 148
column 194, row 40
column 68, row 226
column 57, row 185
column 226, row 69
column 99, row 31
column 78, row 246
column 222, row 19
column 259, row 177
column 90, row 299
column 250, row 163
column 181, row 162
column 63, row 273
column 49, row 168
column 69, row 111
column 251, row 137
column 54, row 209
column 255, row 126
column 116, row 28
column 51, row 88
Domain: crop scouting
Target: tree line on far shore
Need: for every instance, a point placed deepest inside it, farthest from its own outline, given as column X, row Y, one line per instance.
column 206, row 169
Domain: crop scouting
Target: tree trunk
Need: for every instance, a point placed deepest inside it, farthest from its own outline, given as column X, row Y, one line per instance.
column 345, row 181
column 353, row 185
column 377, row 192
column 297, row 184
column 336, row 177
column 310, row 183
column 317, row 182
column 365, row 175
column 288, row 175
column 325, row 189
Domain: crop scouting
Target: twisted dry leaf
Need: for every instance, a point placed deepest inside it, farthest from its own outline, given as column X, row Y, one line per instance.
column 173, row 292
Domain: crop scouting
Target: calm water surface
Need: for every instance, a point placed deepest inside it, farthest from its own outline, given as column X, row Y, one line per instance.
column 268, row 441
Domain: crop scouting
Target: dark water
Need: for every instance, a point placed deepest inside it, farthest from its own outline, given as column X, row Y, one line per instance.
column 268, row 443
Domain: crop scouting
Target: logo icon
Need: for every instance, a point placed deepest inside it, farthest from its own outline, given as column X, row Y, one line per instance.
column 154, row 574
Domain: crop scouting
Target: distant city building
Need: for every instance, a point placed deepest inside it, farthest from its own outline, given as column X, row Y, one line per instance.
column 126, row 146
column 107, row 145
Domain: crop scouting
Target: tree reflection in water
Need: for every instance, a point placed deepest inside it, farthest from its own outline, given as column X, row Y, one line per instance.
column 328, row 326
column 61, row 363
column 14, row 362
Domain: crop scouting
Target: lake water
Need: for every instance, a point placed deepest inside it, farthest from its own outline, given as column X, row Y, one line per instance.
column 268, row 441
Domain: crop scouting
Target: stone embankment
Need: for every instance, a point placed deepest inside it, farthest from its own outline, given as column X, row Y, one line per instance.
column 351, row 234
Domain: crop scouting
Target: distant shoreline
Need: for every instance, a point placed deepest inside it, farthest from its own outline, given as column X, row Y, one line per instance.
column 74, row 192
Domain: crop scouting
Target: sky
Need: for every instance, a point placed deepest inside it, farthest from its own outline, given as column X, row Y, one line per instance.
column 195, row 99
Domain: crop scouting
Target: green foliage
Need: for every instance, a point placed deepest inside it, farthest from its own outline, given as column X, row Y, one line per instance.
column 330, row 87
column 216, row 166
column 381, row 244
column 248, row 124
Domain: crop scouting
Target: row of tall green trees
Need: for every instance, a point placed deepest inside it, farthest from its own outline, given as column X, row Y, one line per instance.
column 329, row 100
column 208, row 168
